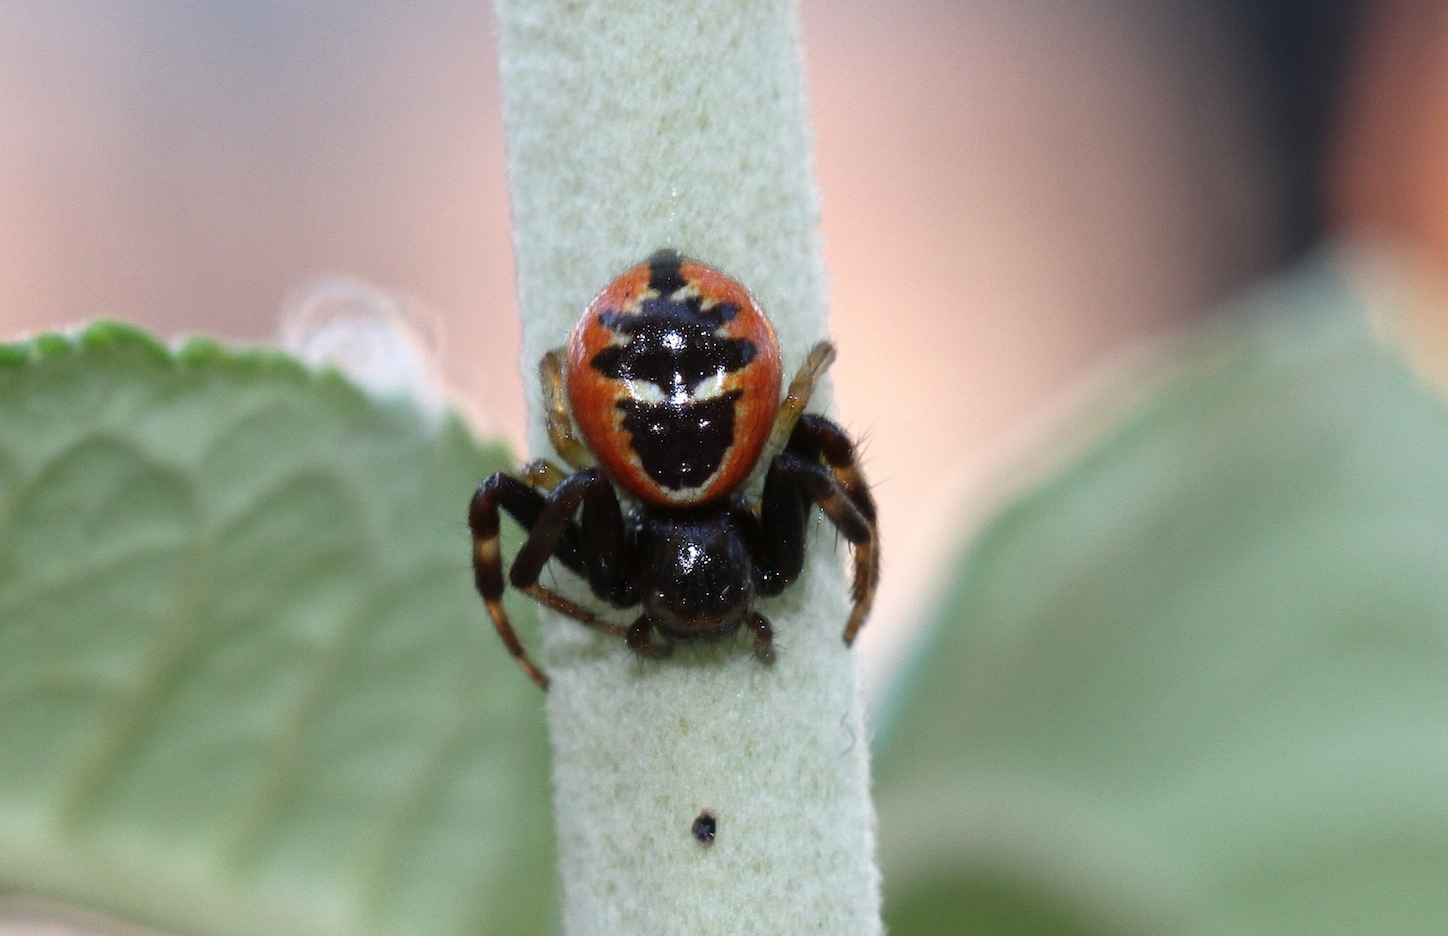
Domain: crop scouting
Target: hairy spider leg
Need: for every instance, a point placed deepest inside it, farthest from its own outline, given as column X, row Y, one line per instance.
column 542, row 475
column 555, row 406
column 763, row 637
column 799, row 479
column 609, row 560
column 531, row 510
column 525, row 505
column 778, row 538
column 816, row 433
column 550, row 598
column 605, row 557
column 638, row 640
column 796, row 398
column 804, row 482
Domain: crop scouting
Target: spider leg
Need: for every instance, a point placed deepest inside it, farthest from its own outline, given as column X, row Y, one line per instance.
column 796, row 398
column 815, row 482
column 526, row 506
column 783, row 510
column 542, row 475
column 552, row 533
column 603, row 561
column 779, row 533
column 638, row 640
column 763, row 637
column 549, row 527
column 603, row 529
column 551, row 599
column 838, row 452
column 555, row 406
column 818, row 433
column 817, row 468
column 612, row 562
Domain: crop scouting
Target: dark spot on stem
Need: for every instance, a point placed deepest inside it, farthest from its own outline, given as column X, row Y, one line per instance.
column 704, row 828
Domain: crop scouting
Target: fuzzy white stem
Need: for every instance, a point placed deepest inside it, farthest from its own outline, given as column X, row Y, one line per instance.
column 635, row 125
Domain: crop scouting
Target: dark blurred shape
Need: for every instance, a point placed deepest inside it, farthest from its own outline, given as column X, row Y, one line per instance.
column 1304, row 48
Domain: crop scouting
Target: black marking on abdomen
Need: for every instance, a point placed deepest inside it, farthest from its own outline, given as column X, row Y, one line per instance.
column 664, row 272
column 669, row 351
column 681, row 446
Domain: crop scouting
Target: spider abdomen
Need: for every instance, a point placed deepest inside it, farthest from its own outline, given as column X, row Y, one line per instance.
column 673, row 378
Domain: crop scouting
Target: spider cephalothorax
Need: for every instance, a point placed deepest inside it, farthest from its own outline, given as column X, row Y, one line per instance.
column 672, row 376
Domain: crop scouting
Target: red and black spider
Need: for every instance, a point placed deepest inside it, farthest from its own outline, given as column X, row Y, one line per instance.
column 673, row 378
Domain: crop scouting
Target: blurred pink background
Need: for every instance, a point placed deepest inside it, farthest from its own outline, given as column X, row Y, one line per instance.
column 1015, row 192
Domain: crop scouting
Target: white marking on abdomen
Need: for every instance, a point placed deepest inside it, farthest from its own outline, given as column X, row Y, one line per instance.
column 646, row 391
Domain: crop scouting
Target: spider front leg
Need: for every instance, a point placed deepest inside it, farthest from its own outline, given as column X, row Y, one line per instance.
column 551, row 534
column 817, row 468
column 555, row 407
column 604, row 549
column 797, row 397
column 834, row 446
column 526, row 506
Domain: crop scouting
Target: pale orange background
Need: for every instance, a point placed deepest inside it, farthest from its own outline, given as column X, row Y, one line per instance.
column 1013, row 192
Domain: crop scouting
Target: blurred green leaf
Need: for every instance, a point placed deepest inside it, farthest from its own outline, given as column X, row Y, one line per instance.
column 245, row 686
column 1198, row 683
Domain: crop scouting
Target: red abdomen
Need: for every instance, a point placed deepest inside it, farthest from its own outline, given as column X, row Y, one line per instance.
column 674, row 381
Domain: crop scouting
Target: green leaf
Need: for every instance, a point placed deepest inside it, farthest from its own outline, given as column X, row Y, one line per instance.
column 1198, row 683
column 245, row 684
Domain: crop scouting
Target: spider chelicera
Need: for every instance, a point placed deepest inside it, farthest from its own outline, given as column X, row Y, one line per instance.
column 673, row 378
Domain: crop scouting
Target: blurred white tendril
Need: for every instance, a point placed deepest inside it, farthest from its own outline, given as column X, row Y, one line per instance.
column 387, row 344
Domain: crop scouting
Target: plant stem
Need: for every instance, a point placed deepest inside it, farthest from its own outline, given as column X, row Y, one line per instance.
column 634, row 126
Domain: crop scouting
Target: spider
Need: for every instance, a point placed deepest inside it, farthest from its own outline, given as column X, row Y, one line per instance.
column 672, row 375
